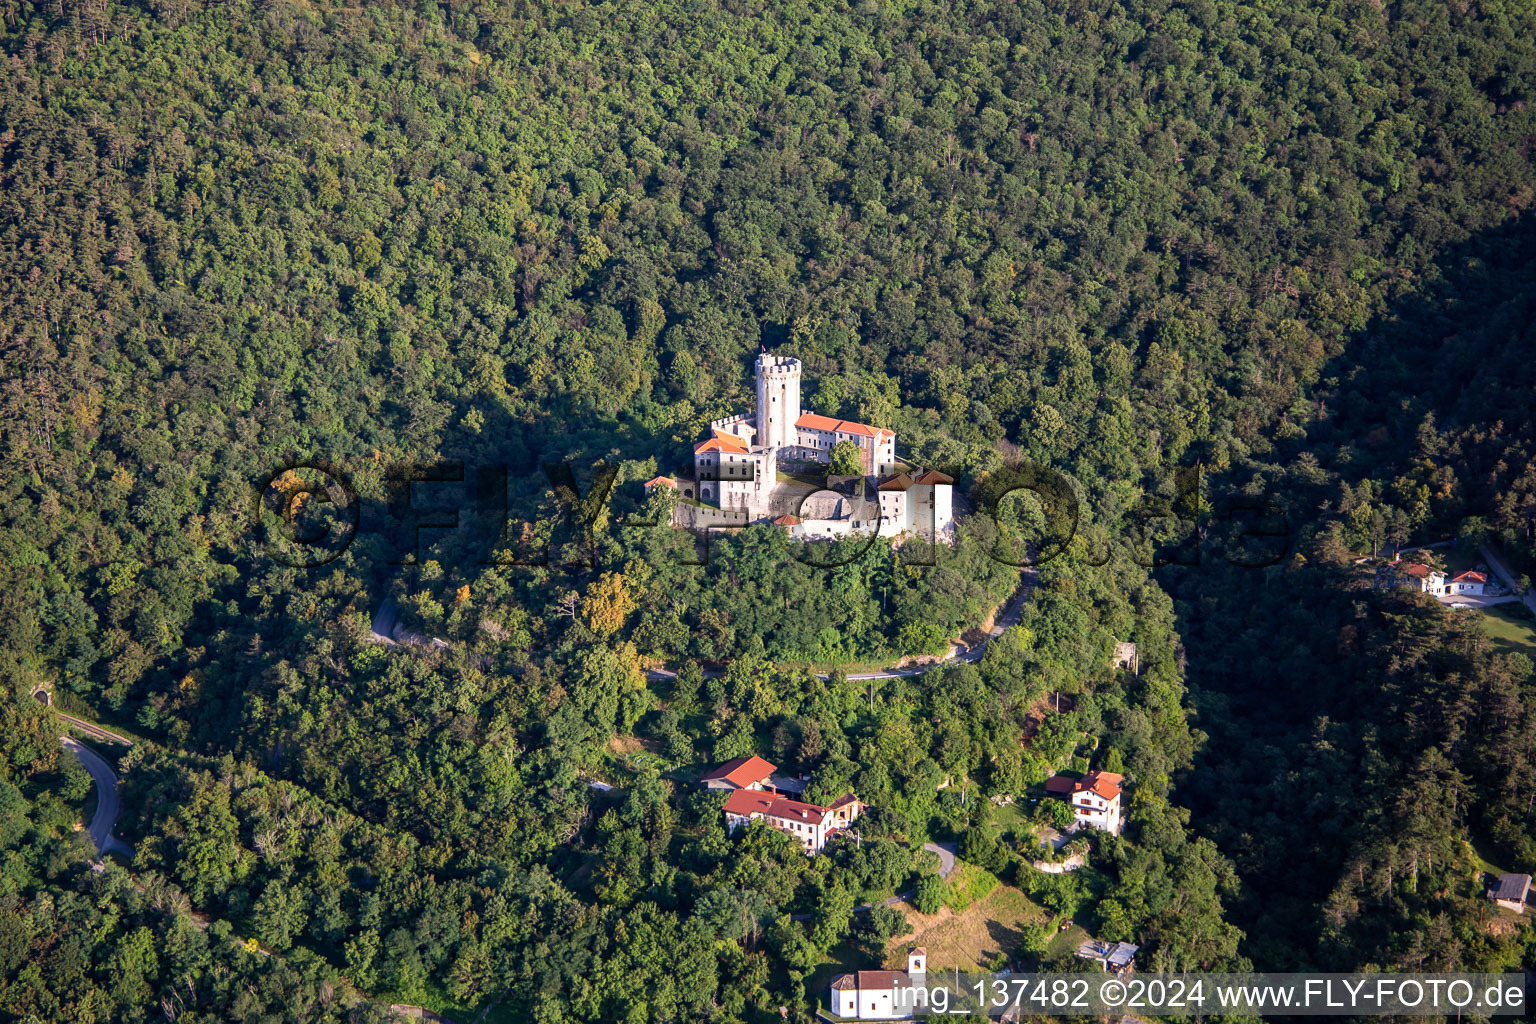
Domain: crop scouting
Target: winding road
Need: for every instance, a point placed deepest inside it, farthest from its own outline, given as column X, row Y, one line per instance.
column 1012, row 610
column 107, row 806
column 1009, row 615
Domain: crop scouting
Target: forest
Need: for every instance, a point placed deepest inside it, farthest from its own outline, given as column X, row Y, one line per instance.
column 1199, row 258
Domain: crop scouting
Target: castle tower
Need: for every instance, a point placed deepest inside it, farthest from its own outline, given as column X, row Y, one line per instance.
column 778, row 400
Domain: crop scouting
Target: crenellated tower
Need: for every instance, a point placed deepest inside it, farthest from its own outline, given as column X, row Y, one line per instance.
column 778, row 400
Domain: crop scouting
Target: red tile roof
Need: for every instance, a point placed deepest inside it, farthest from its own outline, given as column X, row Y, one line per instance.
column 896, row 482
column 1470, row 576
column 747, row 802
column 844, row 983
column 742, row 771
column 812, row 421
column 876, row 980
column 1416, row 569
column 1063, row 784
column 788, row 520
column 1104, row 784
column 933, row 476
column 663, row 480
column 722, row 442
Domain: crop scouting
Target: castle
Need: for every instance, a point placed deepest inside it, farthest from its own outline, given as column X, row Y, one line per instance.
column 746, row 470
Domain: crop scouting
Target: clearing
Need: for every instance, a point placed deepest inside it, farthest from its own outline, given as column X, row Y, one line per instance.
column 1510, row 629
column 971, row 938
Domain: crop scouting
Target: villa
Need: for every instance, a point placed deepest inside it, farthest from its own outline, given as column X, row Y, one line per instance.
column 1421, row 577
column 1469, row 582
column 1095, row 799
column 756, row 795
column 812, row 825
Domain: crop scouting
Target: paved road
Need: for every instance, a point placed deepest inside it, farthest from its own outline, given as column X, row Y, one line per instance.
column 1505, row 576
column 1012, row 611
column 107, row 807
column 946, row 852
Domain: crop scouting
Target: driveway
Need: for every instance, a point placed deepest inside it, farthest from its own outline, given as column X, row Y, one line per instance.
column 1475, row 602
column 107, row 807
column 946, row 852
column 1505, row 576
column 1010, row 615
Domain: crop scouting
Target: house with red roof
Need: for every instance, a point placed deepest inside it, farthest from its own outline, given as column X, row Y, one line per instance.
column 811, row 825
column 1429, row 580
column 1419, row 576
column 1096, row 801
column 1095, row 798
column 916, row 502
column 818, row 434
column 740, row 773
column 1469, row 582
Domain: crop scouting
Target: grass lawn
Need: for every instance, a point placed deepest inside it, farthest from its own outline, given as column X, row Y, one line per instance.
column 1014, row 816
column 968, row 939
column 1070, row 939
column 1480, row 859
column 1512, row 632
column 968, row 884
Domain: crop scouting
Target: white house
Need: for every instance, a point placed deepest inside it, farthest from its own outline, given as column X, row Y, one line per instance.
column 818, row 434
column 731, row 473
column 1425, row 579
column 1469, row 582
column 810, row 824
column 1095, row 799
column 882, row 995
column 919, row 502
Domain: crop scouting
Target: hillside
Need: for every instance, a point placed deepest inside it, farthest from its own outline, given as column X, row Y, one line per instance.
column 471, row 272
